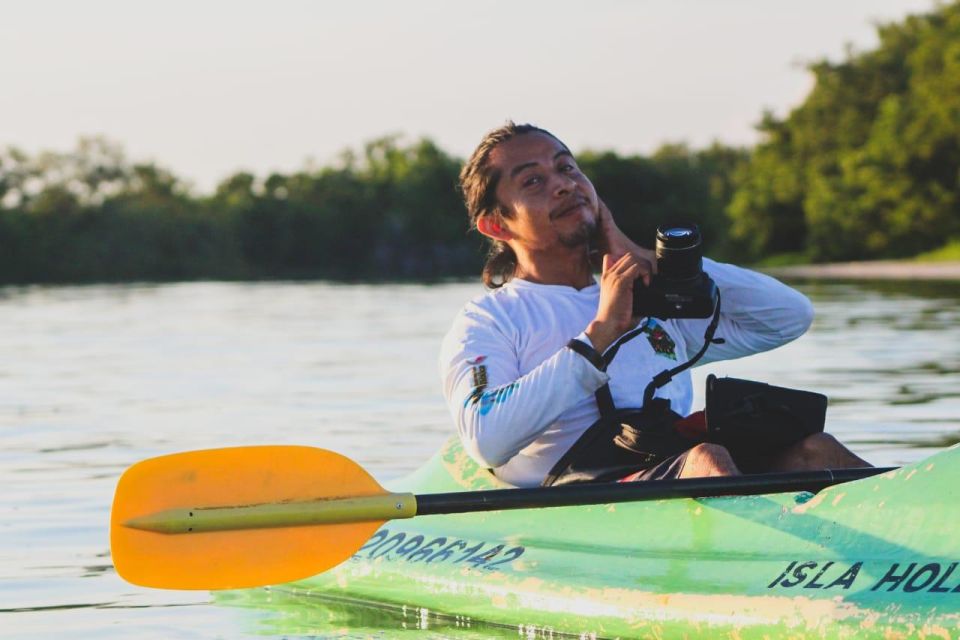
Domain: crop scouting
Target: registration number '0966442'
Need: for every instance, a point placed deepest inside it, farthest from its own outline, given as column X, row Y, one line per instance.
column 414, row 547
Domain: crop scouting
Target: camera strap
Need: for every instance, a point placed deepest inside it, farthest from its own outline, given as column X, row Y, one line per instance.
column 603, row 396
column 621, row 442
column 666, row 376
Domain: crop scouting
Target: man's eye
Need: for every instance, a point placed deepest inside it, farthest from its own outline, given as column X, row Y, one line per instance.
column 532, row 180
column 567, row 168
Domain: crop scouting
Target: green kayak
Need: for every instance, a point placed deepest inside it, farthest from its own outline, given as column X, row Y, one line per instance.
column 870, row 558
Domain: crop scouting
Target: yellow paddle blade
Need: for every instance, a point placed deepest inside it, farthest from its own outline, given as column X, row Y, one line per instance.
column 234, row 477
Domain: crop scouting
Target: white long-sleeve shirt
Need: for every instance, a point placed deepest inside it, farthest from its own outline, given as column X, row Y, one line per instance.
column 520, row 398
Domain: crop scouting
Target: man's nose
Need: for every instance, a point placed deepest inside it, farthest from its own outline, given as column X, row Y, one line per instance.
column 563, row 184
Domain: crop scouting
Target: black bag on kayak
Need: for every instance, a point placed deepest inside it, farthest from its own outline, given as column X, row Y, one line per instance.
column 754, row 419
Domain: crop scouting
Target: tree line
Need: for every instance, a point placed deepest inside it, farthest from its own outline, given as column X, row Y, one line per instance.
column 868, row 166
column 389, row 211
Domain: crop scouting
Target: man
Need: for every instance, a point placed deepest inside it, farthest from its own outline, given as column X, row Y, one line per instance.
column 519, row 395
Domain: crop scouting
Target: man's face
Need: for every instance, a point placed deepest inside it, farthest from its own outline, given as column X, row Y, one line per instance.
column 548, row 200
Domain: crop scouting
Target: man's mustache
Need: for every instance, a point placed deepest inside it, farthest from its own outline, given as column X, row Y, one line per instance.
column 579, row 201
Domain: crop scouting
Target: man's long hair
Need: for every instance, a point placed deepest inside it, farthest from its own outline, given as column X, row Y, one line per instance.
column 478, row 183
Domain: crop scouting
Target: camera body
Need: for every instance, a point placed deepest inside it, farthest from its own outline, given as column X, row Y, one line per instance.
column 680, row 288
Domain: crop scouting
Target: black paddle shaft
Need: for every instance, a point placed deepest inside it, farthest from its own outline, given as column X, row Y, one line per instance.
column 610, row 492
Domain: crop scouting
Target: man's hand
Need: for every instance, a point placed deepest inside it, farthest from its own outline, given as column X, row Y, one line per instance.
column 616, row 244
column 615, row 311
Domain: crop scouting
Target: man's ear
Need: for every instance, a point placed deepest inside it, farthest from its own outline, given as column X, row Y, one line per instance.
column 492, row 227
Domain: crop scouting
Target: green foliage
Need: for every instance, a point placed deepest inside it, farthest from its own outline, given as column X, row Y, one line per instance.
column 675, row 184
column 393, row 212
column 950, row 252
column 90, row 215
column 869, row 165
column 783, row 260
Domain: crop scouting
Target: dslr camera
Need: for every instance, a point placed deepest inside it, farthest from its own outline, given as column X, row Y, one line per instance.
column 680, row 288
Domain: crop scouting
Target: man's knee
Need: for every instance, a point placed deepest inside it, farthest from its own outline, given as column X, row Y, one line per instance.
column 816, row 445
column 709, row 459
column 710, row 451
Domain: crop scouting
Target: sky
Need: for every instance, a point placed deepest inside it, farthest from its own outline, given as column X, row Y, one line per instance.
column 207, row 88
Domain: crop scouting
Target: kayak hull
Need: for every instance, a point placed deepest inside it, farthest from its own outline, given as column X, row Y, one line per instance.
column 871, row 558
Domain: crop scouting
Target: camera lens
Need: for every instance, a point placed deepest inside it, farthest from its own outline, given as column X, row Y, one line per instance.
column 679, row 252
column 677, row 233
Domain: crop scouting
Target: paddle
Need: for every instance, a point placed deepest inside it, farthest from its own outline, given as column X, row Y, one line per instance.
column 250, row 516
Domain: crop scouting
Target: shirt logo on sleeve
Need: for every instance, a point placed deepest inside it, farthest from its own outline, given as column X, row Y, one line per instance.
column 479, row 372
column 481, row 399
column 659, row 339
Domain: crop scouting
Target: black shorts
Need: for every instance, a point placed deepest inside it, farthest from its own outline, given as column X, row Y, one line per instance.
column 668, row 469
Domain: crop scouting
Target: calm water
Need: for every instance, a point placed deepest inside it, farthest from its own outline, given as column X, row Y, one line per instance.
column 95, row 378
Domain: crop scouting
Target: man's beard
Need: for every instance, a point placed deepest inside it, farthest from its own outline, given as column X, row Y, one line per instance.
column 586, row 235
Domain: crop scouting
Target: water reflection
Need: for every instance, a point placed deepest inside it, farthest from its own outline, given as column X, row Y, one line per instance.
column 291, row 615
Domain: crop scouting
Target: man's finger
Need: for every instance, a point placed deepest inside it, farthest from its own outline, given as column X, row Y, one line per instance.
column 611, row 263
column 651, row 264
column 647, row 276
column 623, row 262
column 632, row 272
column 647, row 269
